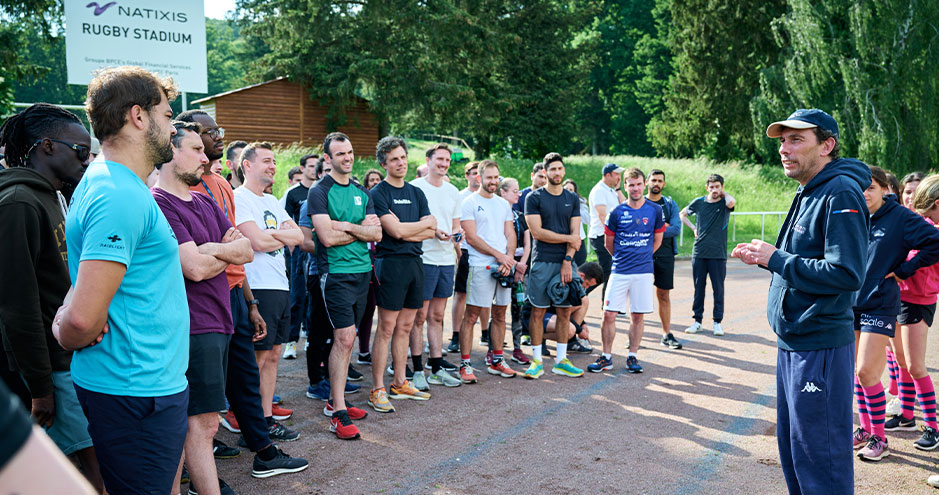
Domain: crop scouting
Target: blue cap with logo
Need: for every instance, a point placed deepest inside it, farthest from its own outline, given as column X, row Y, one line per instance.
column 611, row 167
column 804, row 119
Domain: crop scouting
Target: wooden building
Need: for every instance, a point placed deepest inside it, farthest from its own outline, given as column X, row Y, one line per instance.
column 281, row 112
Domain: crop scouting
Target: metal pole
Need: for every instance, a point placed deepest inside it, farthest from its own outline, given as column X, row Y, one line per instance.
column 185, row 102
column 734, row 238
column 762, row 226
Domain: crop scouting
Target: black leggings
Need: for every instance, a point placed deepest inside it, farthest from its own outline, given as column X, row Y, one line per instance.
column 319, row 333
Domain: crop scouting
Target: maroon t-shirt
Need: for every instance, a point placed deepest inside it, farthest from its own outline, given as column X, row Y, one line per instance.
column 200, row 220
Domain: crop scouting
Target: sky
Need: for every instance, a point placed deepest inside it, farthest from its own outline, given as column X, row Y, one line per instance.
column 216, row 9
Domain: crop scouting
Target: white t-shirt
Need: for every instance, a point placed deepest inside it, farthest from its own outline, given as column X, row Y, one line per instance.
column 490, row 216
column 444, row 203
column 267, row 271
column 465, row 193
column 601, row 194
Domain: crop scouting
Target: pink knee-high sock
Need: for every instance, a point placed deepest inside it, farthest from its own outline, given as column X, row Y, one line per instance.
column 907, row 393
column 863, row 416
column 894, row 371
column 927, row 400
column 876, row 407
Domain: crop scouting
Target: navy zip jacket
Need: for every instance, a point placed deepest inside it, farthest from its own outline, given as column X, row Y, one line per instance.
column 819, row 263
column 895, row 231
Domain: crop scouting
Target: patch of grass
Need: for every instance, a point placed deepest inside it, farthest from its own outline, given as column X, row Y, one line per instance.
column 756, row 187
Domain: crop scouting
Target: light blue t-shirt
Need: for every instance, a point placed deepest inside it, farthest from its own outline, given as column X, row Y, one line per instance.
column 113, row 217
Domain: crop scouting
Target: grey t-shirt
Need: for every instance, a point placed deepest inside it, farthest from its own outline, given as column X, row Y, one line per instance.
column 711, row 221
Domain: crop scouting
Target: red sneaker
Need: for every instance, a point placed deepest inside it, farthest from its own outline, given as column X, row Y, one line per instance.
column 354, row 412
column 519, row 357
column 342, row 426
column 280, row 413
column 230, row 423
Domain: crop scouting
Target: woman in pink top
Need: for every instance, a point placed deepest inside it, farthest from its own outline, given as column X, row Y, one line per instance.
column 918, row 296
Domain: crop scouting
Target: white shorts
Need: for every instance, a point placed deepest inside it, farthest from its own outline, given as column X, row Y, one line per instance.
column 483, row 291
column 637, row 287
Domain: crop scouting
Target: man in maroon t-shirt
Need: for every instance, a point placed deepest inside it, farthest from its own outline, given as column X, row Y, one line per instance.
column 207, row 244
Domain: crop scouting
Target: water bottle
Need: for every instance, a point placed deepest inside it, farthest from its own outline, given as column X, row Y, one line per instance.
column 520, row 293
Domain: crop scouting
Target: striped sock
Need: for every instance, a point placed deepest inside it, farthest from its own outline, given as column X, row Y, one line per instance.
column 863, row 416
column 876, row 407
column 927, row 400
column 894, row 371
column 907, row 393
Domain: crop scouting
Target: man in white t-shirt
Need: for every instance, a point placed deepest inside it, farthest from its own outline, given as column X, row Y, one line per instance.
column 471, row 173
column 439, row 258
column 490, row 235
column 604, row 196
column 267, row 225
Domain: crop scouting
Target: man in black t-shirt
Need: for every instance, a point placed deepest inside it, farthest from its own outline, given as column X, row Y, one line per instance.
column 709, row 255
column 406, row 221
column 553, row 217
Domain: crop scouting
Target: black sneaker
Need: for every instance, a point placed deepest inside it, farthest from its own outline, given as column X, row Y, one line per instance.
column 484, row 337
column 578, row 348
column 222, row 451
column 354, row 375
column 454, row 344
column 447, row 365
column 280, row 433
column 670, row 341
column 280, row 464
column 899, row 423
column 929, row 440
column 223, row 488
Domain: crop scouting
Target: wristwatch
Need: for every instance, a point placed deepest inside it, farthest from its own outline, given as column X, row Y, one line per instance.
column 568, row 258
column 254, row 302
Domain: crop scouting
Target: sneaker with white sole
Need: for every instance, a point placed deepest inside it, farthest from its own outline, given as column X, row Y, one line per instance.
column 501, row 369
column 933, row 481
column 861, row 437
column 929, row 440
column 443, row 377
column 407, row 391
column 420, row 381
column 893, row 407
column 899, row 423
column 280, row 464
column 718, row 329
column 875, row 450
column 290, row 350
column 694, row 328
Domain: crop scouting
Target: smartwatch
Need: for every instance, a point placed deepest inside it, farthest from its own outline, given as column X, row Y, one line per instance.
column 568, row 258
column 254, row 302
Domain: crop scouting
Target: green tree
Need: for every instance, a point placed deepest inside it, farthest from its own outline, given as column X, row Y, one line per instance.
column 18, row 18
column 873, row 65
column 719, row 46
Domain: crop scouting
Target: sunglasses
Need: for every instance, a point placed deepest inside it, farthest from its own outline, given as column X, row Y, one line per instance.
column 83, row 152
column 217, row 133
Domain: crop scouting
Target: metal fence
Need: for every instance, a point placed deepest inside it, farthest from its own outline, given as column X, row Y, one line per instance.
column 733, row 221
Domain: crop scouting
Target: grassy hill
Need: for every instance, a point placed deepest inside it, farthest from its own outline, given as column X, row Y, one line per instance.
column 756, row 188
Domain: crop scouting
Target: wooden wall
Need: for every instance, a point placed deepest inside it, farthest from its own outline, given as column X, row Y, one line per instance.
column 281, row 112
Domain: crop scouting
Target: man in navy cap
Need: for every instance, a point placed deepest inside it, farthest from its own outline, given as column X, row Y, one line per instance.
column 818, row 266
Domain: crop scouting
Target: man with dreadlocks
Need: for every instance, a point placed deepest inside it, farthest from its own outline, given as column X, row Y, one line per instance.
column 46, row 148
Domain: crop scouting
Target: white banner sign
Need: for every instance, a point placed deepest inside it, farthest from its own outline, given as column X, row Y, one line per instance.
column 166, row 37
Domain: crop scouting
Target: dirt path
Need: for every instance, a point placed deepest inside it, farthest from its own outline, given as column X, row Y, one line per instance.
column 698, row 420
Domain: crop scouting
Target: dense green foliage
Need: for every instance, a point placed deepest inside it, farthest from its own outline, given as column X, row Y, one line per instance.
column 676, row 78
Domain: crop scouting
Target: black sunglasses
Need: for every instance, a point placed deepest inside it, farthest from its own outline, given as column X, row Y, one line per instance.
column 81, row 150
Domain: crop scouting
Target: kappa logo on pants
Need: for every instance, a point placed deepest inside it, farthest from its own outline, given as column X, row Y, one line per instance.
column 810, row 387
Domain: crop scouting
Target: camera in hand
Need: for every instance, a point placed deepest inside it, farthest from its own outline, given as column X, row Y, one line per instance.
column 504, row 280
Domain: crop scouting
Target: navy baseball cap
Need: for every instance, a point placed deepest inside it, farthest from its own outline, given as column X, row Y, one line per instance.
column 804, row 119
column 611, row 167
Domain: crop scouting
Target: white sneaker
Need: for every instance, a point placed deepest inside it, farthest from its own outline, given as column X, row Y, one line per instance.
column 443, row 351
column 694, row 328
column 443, row 377
column 893, row 407
column 426, row 348
column 420, row 381
column 290, row 350
column 933, row 481
column 718, row 329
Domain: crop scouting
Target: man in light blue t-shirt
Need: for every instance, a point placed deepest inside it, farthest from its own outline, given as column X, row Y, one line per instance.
column 127, row 316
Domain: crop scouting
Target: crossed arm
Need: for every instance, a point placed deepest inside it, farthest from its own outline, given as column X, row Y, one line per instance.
column 265, row 241
column 425, row 228
column 334, row 233
column 212, row 258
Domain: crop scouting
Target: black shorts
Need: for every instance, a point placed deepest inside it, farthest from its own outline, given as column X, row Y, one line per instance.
column 663, row 271
column 345, row 295
column 462, row 273
column 911, row 313
column 400, row 282
column 208, row 362
column 274, row 307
